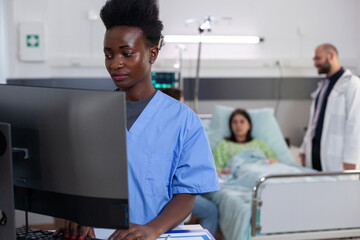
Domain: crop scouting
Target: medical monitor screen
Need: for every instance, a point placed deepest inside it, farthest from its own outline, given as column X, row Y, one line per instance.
column 163, row 79
column 69, row 153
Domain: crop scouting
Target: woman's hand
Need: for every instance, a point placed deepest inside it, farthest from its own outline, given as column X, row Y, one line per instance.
column 226, row 171
column 135, row 232
column 174, row 212
column 272, row 160
column 73, row 230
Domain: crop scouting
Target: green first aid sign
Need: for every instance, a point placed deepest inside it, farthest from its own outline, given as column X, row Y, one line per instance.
column 32, row 40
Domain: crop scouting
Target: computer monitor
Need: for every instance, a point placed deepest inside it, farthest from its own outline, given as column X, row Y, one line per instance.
column 7, row 212
column 69, row 153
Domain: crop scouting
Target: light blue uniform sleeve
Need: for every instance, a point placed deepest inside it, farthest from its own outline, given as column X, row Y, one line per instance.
column 195, row 172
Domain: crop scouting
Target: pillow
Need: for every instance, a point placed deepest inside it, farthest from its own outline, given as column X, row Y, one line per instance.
column 264, row 127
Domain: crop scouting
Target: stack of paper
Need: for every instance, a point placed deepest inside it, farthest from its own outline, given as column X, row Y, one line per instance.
column 187, row 234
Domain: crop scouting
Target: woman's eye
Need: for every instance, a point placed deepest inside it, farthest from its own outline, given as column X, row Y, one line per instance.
column 107, row 56
column 127, row 54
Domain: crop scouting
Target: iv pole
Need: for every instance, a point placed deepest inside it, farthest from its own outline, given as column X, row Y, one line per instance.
column 181, row 48
column 204, row 26
column 197, row 78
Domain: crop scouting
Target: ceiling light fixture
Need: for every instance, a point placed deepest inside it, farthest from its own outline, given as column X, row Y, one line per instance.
column 213, row 39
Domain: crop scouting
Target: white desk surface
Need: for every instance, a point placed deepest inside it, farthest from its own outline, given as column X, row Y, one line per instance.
column 102, row 233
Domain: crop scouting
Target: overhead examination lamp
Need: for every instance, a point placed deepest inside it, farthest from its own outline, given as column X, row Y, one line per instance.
column 205, row 25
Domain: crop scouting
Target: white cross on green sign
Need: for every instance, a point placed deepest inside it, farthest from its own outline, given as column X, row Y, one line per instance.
column 32, row 40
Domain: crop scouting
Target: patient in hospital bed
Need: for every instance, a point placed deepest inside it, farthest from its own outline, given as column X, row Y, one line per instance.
column 239, row 140
column 241, row 159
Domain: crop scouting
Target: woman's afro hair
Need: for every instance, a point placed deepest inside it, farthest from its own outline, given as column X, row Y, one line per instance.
column 134, row 13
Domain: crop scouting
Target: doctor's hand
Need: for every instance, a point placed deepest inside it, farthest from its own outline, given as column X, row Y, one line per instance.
column 135, row 232
column 302, row 158
column 72, row 230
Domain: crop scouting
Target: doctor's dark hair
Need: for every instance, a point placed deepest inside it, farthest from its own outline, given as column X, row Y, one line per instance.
column 242, row 112
column 143, row 14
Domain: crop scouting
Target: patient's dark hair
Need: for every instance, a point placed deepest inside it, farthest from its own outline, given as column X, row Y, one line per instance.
column 173, row 92
column 247, row 116
column 134, row 13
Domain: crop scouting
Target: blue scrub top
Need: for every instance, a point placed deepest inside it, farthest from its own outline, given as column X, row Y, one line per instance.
column 168, row 153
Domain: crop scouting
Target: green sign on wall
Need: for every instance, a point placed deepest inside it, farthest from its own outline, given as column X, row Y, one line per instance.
column 32, row 40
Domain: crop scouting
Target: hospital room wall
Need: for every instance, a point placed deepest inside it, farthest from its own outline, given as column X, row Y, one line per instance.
column 357, row 37
column 4, row 66
column 291, row 29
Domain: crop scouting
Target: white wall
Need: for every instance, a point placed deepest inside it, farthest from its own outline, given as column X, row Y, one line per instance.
column 357, row 37
column 291, row 30
column 4, row 53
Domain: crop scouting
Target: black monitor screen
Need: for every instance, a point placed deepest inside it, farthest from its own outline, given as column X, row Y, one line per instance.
column 69, row 153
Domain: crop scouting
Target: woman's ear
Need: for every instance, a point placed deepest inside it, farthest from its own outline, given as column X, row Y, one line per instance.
column 154, row 51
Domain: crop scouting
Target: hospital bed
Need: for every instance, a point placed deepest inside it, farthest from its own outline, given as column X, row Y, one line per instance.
column 300, row 205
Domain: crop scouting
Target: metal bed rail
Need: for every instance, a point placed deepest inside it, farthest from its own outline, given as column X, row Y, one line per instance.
column 259, row 182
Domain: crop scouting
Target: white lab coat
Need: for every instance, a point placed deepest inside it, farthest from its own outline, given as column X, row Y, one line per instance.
column 340, row 141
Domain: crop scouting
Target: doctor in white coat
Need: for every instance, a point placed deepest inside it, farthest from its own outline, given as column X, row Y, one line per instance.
column 332, row 139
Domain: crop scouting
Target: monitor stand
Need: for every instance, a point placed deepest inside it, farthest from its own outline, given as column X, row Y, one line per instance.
column 7, row 210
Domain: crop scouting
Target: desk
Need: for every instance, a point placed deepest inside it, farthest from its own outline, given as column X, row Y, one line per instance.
column 181, row 232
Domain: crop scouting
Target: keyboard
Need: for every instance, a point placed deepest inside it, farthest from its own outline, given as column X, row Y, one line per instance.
column 36, row 234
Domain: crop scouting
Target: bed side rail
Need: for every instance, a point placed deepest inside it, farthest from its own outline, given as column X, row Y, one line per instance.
column 261, row 181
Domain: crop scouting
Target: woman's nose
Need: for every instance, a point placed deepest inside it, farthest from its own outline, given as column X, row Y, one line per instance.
column 117, row 63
